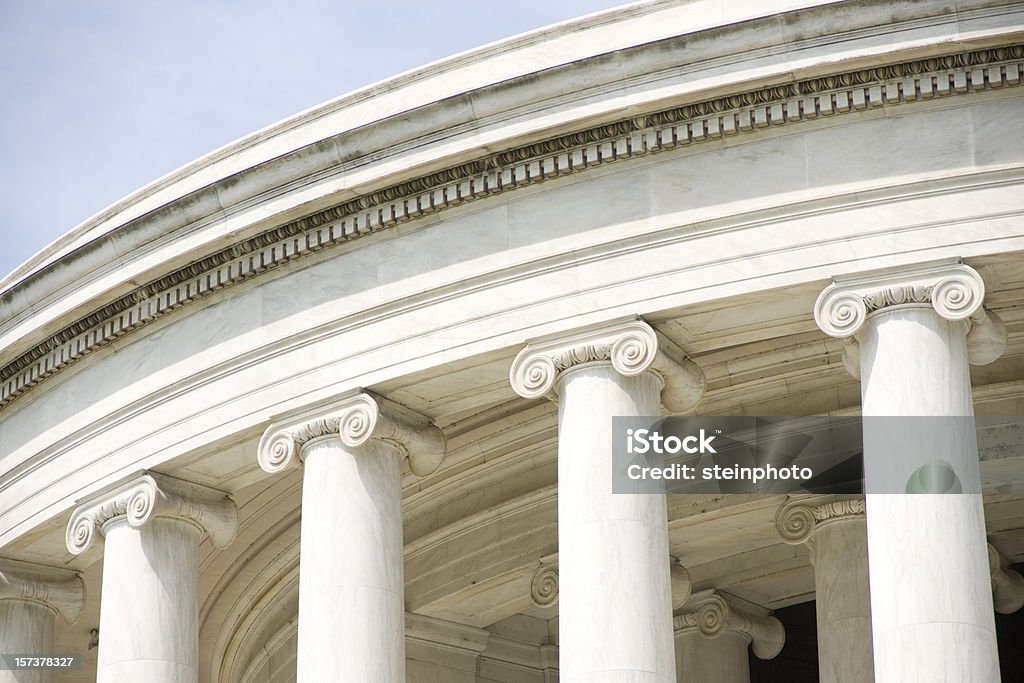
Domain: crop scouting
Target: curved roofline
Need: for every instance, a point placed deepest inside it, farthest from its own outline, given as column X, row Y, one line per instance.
column 651, row 13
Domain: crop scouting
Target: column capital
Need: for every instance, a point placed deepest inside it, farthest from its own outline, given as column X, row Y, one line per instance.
column 1007, row 585
column 712, row 613
column 60, row 590
column 798, row 518
column 355, row 419
column 150, row 496
column 630, row 345
column 955, row 291
column 544, row 584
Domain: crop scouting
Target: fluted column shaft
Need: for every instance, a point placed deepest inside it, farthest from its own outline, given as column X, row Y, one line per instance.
column 836, row 535
column 615, row 597
column 149, row 612
column 351, row 565
column 931, row 601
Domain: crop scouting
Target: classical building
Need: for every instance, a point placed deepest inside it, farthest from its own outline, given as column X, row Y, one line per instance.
column 334, row 403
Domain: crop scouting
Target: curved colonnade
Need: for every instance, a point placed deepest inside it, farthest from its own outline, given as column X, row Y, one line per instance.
column 383, row 338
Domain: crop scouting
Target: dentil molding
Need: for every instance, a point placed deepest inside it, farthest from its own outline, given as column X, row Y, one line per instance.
column 151, row 496
column 60, row 590
column 837, row 94
column 954, row 290
column 712, row 613
column 355, row 419
column 632, row 346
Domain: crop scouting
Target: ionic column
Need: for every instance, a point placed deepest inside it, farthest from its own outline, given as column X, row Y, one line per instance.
column 31, row 597
column 1007, row 585
column 836, row 536
column 712, row 634
column 915, row 333
column 351, row 577
column 615, row 601
column 149, row 611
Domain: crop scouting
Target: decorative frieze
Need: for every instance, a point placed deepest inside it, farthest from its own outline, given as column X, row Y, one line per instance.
column 60, row 590
column 544, row 585
column 1007, row 584
column 677, row 127
column 355, row 419
column 631, row 346
column 955, row 291
column 152, row 496
column 712, row 613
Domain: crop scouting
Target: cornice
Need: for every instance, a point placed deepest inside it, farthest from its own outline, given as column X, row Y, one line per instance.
column 677, row 127
column 355, row 419
column 712, row 613
column 955, row 291
column 60, row 590
column 151, row 496
column 631, row 346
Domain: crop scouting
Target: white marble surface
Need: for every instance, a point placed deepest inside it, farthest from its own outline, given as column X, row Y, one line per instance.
column 839, row 552
column 351, row 587
column 615, row 598
column 26, row 628
column 931, row 596
column 149, row 612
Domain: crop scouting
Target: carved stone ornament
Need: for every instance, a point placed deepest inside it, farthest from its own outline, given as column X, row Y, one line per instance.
column 797, row 520
column 632, row 346
column 60, row 590
column 958, row 74
column 712, row 613
column 682, row 585
column 1007, row 585
column 355, row 419
column 954, row 290
column 544, row 585
column 152, row 496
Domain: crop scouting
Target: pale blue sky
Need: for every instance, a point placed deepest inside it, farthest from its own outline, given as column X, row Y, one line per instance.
column 100, row 97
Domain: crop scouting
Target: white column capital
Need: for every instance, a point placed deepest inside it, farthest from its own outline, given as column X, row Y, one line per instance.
column 712, row 613
column 355, row 419
column 150, row 496
column 61, row 590
column 631, row 346
column 955, row 291
column 1007, row 585
column 798, row 518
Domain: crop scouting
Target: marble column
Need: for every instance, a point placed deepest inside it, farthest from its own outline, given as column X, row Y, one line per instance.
column 149, row 612
column 912, row 336
column 835, row 532
column 31, row 597
column 713, row 632
column 1007, row 584
column 615, row 601
column 351, row 576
